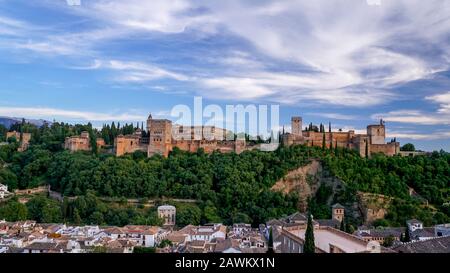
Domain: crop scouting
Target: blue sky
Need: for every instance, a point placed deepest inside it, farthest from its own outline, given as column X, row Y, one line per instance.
column 348, row 62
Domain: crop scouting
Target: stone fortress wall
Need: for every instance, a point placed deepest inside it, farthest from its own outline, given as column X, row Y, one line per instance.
column 372, row 142
column 81, row 142
column 163, row 137
column 24, row 142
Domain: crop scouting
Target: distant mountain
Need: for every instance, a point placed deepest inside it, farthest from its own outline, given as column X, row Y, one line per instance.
column 8, row 121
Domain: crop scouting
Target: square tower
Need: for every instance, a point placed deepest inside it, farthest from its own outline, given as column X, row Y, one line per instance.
column 296, row 125
column 377, row 133
column 160, row 136
column 338, row 212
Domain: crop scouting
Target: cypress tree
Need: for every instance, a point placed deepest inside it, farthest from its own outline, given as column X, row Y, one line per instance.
column 323, row 141
column 309, row 246
column 407, row 238
column 342, row 228
column 270, row 243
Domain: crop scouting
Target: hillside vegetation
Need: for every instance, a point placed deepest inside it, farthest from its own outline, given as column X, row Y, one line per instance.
column 229, row 187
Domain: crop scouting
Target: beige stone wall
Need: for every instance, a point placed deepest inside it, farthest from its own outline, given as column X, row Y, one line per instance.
column 74, row 144
column 160, row 136
column 296, row 125
column 389, row 149
column 81, row 143
column 377, row 134
column 374, row 140
column 26, row 137
column 128, row 144
column 164, row 137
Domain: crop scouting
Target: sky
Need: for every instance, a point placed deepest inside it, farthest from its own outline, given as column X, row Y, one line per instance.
column 346, row 62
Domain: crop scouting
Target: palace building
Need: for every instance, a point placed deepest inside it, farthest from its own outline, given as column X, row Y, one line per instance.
column 163, row 137
column 23, row 138
column 81, row 142
column 370, row 143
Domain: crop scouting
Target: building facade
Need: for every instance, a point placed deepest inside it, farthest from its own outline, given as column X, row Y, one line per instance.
column 81, row 142
column 163, row 137
column 23, row 139
column 168, row 214
column 366, row 144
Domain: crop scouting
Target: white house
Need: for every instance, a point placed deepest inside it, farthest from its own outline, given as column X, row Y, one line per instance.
column 414, row 224
column 207, row 233
column 3, row 191
column 142, row 235
column 442, row 230
column 239, row 229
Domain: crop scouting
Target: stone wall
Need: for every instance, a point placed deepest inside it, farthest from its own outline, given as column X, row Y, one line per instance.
column 25, row 142
column 128, row 144
column 389, row 149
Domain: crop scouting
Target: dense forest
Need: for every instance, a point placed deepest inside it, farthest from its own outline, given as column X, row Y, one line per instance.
column 228, row 187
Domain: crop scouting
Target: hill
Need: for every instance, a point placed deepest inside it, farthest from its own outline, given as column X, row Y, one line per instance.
column 8, row 121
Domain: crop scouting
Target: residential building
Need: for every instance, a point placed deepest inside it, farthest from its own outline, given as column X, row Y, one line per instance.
column 168, row 214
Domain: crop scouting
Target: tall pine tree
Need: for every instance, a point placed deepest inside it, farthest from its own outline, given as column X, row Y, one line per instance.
column 324, row 145
column 407, row 238
column 309, row 246
column 270, row 243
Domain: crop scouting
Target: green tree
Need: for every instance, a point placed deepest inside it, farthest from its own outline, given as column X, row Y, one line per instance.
column 44, row 210
column 407, row 237
column 342, row 227
column 324, row 145
column 13, row 211
column 389, row 241
column 76, row 217
column 309, row 246
column 270, row 243
column 408, row 147
column 188, row 215
column 144, row 250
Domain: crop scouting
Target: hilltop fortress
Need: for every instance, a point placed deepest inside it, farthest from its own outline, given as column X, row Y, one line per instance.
column 162, row 137
column 366, row 144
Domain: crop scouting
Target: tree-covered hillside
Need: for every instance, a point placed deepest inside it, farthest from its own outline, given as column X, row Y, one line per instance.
column 228, row 187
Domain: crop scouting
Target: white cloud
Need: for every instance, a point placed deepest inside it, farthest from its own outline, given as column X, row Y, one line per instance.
column 156, row 15
column 46, row 47
column 444, row 100
column 348, row 56
column 414, row 117
column 418, row 136
column 440, row 117
column 137, row 72
column 335, row 116
column 53, row 113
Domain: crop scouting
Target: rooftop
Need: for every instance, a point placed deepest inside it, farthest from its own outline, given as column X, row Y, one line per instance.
column 324, row 237
column 436, row 245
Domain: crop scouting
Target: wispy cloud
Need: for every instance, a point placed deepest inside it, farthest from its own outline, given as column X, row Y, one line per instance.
column 350, row 58
column 444, row 101
column 53, row 113
column 136, row 71
column 414, row 135
column 334, row 116
column 414, row 117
